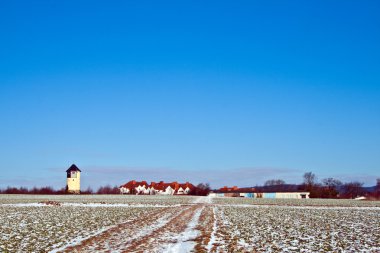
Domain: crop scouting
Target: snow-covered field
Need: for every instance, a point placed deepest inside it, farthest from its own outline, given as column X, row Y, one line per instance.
column 185, row 224
column 298, row 202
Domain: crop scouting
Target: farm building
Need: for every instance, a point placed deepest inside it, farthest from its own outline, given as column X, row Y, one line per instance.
column 162, row 188
column 258, row 193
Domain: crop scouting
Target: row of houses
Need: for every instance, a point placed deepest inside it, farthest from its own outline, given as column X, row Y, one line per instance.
column 162, row 188
column 259, row 193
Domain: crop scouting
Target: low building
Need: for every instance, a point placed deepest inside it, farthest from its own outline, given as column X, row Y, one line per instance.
column 258, row 193
column 293, row 195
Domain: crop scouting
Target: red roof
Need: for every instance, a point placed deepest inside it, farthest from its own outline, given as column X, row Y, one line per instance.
column 187, row 184
column 161, row 186
column 133, row 184
column 235, row 189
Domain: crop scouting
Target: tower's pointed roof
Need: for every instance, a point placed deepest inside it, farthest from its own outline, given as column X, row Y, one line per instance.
column 73, row 168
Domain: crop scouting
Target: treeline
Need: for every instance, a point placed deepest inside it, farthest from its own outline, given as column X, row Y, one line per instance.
column 326, row 188
column 334, row 188
column 50, row 191
column 34, row 190
column 201, row 189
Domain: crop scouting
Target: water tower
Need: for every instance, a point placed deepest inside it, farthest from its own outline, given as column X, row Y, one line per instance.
column 73, row 179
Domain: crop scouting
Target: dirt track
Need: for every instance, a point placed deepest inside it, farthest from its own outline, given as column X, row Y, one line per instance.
column 164, row 230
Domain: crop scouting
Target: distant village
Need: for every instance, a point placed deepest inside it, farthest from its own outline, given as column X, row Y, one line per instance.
column 277, row 189
column 175, row 188
column 162, row 188
column 273, row 189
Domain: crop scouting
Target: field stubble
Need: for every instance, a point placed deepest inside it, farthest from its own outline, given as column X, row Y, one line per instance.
column 186, row 224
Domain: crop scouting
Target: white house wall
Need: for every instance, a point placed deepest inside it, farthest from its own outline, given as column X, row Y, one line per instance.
column 180, row 191
column 124, row 190
column 291, row 195
column 142, row 189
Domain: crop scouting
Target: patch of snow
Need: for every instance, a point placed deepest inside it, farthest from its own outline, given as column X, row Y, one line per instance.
column 185, row 240
column 149, row 229
column 198, row 200
column 214, row 228
column 89, row 205
column 117, row 205
column 208, row 199
column 26, row 205
column 78, row 240
column 243, row 243
column 203, row 200
column 374, row 208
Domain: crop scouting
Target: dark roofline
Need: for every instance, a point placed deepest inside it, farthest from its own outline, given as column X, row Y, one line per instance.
column 73, row 167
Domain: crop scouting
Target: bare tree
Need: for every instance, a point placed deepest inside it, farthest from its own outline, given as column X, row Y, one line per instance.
column 353, row 189
column 309, row 179
column 376, row 193
column 108, row 190
column 201, row 189
column 330, row 187
column 274, row 182
column 89, row 190
column 331, row 182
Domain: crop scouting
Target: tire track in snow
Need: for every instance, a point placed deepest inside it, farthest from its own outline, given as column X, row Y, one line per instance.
column 172, row 229
column 220, row 237
column 213, row 233
column 176, row 236
column 185, row 240
column 118, row 237
column 205, row 226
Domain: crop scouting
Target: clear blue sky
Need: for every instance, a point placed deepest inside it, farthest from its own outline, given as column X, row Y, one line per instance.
column 220, row 91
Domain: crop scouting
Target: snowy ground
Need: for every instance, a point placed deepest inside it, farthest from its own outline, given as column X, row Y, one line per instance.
column 185, row 224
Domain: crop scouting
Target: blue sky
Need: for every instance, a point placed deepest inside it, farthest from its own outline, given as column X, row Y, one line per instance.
column 220, row 92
